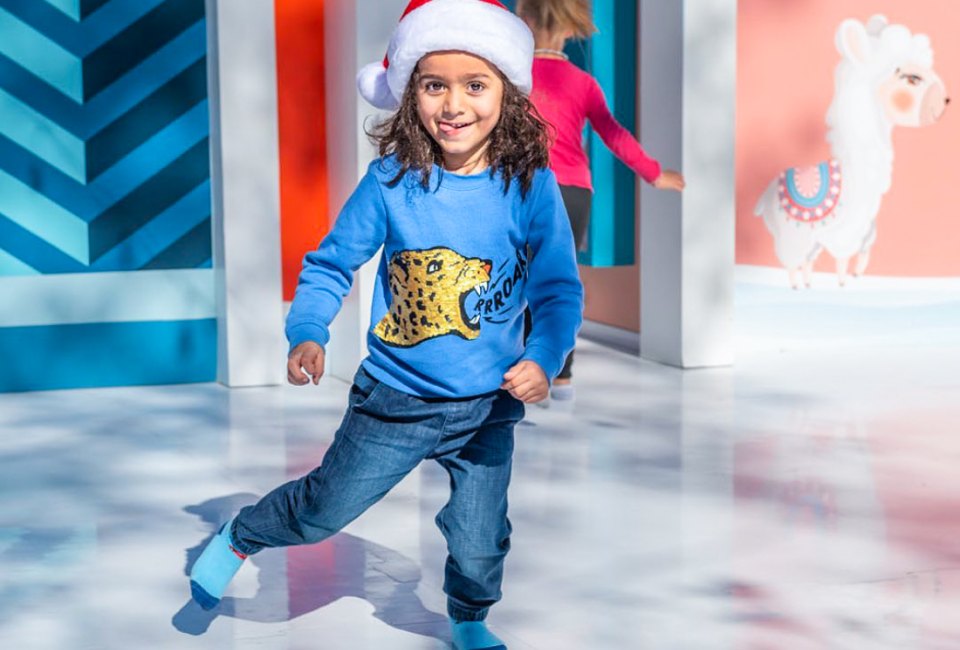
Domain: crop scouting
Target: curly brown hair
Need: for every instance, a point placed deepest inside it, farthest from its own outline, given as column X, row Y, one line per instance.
column 518, row 145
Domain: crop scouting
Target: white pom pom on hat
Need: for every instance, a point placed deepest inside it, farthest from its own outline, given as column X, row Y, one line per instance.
column 484, row 28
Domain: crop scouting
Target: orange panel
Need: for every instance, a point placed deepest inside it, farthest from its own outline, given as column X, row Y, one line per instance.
column 303, row 148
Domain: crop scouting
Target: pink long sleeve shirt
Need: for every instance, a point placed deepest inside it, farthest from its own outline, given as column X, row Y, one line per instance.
column 567, row 97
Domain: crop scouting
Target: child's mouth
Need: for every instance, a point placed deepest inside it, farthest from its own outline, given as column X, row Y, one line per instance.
column 453, row 128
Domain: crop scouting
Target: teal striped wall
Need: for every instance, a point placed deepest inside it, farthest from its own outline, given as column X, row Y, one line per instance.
column 612, row 59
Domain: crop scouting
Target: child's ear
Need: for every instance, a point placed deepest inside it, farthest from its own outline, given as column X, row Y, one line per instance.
column 853, row 42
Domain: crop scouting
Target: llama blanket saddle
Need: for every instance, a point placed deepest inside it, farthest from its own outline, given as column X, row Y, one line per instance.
column 810, row 194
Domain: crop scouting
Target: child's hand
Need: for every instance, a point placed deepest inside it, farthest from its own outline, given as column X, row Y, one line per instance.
column 527, row 382
column 309, row 356
column 670, row 180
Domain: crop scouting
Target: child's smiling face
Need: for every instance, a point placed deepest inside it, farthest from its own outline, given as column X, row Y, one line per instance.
column 458, row 100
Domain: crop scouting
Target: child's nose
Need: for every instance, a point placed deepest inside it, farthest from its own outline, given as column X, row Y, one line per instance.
column 454, row 102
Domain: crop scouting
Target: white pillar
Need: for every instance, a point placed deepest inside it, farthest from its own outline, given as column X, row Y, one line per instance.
column 245, row 175
column 355, row 33
column 687, row 111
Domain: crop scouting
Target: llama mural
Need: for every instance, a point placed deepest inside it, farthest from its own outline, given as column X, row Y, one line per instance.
column 885, row 79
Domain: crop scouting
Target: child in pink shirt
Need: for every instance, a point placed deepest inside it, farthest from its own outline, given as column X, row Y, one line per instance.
column 566, row 98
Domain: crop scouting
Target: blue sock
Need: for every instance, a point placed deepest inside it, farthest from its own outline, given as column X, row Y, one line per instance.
column 474, row 635
column 214, row 569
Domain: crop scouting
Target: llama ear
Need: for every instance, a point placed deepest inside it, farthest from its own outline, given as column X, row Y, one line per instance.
column 853, row 41
column 876, row 24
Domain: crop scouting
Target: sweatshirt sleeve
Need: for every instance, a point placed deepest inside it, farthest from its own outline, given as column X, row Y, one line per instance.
column 327, row 273
column 554, row 292
column 620, row 141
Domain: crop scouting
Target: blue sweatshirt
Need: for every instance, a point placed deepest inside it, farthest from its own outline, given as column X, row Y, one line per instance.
column 461, row 260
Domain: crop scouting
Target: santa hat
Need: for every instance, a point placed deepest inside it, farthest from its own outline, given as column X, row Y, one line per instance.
column 484, row 28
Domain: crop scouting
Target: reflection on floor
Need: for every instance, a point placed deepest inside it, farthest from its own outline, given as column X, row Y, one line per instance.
column 807, row 498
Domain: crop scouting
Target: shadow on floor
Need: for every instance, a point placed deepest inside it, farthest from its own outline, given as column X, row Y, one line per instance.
column 299, row 580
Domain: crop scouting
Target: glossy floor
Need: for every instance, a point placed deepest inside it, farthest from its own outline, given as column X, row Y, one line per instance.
column 807, row 498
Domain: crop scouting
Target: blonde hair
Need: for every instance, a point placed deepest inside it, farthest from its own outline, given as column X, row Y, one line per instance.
column 558, row 15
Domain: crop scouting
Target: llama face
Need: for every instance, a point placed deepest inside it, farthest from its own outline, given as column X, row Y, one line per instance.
column 913, row 96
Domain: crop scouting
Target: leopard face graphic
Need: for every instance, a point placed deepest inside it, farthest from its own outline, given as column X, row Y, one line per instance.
column 428, row 294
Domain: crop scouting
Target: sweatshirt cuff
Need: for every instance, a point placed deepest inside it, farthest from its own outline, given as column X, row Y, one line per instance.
column 303, row 332
column 547, row 360
column 653, row 173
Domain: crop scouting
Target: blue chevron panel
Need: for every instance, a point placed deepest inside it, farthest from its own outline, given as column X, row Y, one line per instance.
column 77, row 9
column 45, row 138
column 104, row 168
column 10, row 265
column 80, row 37
column 41, row 56
column 88, row 201
column 83, row 168
column 85, row 120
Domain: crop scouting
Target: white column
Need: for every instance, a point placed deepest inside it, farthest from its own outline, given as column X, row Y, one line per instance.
column 687, row 110
column 355, row 33
column 245, row 175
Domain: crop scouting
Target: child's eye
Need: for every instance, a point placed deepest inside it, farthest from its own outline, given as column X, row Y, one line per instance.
column 475, row 87
column 433, row 86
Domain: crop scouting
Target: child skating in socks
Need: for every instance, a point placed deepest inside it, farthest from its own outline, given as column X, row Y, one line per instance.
column 459, row 196
column 567, row 97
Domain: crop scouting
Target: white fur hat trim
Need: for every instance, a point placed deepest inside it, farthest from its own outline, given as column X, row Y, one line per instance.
column 481, row 28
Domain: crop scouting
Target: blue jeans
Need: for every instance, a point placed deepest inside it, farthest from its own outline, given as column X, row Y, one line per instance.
column 383, row 437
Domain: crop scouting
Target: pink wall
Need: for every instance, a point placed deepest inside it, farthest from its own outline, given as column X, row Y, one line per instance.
column 786, row 58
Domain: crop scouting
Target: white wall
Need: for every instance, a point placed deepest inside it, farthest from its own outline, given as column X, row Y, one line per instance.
column 356, row 33
column 687, row 115
column 245, row 178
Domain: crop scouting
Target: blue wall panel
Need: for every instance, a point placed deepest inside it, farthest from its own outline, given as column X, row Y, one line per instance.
column 107, row 354
column 104, row 162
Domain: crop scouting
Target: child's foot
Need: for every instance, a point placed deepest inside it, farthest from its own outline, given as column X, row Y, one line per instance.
column 474, row 635
column 214, row 569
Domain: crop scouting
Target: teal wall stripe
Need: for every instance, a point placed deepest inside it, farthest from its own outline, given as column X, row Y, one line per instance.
column 34, row 251
column 45, row 139
column 148, row 242
column 87, row 202
column 81, row 37
column 107, row 354
column 10, row 265
column 191, row 250
column 613, row 61
column 150, row 199
column 137, row 42
column 43, row 57
column 88, row 119
column 78, row 9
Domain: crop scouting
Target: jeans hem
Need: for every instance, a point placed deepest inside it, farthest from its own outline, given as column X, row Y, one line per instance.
column 243, row 548
column 460, row 614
